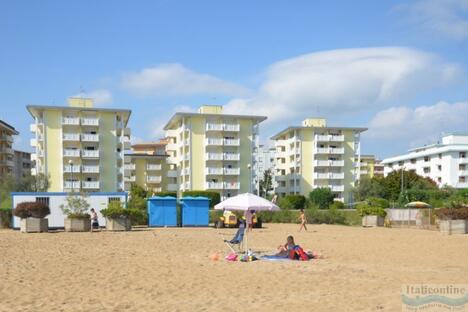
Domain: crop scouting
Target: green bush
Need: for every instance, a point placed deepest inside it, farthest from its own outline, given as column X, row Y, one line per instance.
column 164, row 194
column 116, row 210
column 292, row 202
column 31, row 209
column 5, row 217
column 317, row 216
column 215, row 215
column 139, row 204
column 331, row 216
column 337, row 205
column 378, row 202
column 364, row 209
column 283, row 216
column 214, row 197
column 76, row 207
column 322, row 197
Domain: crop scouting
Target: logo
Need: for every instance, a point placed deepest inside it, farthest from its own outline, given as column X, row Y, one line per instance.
column 434, row 297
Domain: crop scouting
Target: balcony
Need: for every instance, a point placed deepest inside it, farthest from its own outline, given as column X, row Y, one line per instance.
column 129, row 166
column 71, row 153
column 172, row 161
column 214, row 127
column 90, row 169
column 319, row 175
column 70, row 169
column 90, row 154
column 171, row 146
column 231, row 156
column 363, row 172
column 281, row 189
column 213, row 171
column 336, row 175
column 463, row 161
column 172, row 187
column 75, row 185
column 89, row 137
column 329, row 138
column 130, row 179
column 71, row 137
column 214, row 156
column 7, row 163
column 214, row 185
column 333, row 188
column 330, row 150
column 231, row 185
column 231, row 142
column 463, row 172
column 71, row 121
column 172, row 174
column 90, row 185
column 231, row 127
column 125, row 141
column 153, row 167
column 185, row 171
column 213, row 142
column 153, row 179
column 231, row 171
column 88, row 121
column 6, row 150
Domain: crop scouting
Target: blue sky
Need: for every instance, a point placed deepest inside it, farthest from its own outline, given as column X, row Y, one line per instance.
column 398, row 68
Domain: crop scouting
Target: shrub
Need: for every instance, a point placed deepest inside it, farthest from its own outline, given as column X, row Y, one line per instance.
column 322, row 197
column 214, row 197
column 364, row 209
column 292, row 202
column 215, row 215
column 5, row 217
column 378, row 202
column 337, row 205
column 76, row 207
column 164, row 194
column 116, row 210
column 139, row 204
column 331, row 216
column 452, row 213
column 31, row 209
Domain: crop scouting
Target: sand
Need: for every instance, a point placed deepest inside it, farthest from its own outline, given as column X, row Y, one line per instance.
column 170, row 270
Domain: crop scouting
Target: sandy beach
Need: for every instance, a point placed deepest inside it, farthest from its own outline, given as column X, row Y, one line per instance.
column 170, row 270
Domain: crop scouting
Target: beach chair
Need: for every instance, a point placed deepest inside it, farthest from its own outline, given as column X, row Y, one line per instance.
column 237, row 239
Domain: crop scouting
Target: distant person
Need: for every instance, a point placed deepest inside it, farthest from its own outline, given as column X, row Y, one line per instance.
column 303, row 220
column 94, row 220
column 249, row 216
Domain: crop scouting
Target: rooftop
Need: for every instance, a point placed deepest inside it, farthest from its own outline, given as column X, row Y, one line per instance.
column 8, row 127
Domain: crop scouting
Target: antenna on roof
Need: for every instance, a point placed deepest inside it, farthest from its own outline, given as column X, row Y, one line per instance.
column 82, row 91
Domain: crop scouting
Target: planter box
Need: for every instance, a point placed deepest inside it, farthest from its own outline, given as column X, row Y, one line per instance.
column 77, row 225
column 34, row 225
column 372, row 221
column 118, row 224
column 453, row 226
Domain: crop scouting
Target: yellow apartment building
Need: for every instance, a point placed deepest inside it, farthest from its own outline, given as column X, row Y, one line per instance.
column 80, row 147
column 147, row 167
column 370, row 166
column 315, row 155
column 6, row 148
column 213, row 151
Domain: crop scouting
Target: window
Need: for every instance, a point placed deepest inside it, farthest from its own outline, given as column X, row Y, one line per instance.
column 440, row 156
column 461, row 179
column 462, row 167
column 439, row 167
column 44, row 200
column 427, row 170
column 413, row 161
column 400, row 163
column 439, row 179
column 113, row 199
column 427, row 158
column 462, row 154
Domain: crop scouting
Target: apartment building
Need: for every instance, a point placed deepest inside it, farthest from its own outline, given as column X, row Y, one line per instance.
column 80, row 147
column 370, row 166
column 22, row 164
column 445, row 162
column 6, row 148
column 265, row 160
column 147, row 167
column 212, row 150
column 315, row 155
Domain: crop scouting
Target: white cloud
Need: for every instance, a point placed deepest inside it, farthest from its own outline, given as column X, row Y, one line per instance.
column 418, row 125
column 175, row 79
column 346, row 80
column 101, row 97
column 445, row 17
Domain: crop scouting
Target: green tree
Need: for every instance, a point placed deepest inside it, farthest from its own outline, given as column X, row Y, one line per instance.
column 292, row 202
column 266, row 183
column 29, row 183
column 76, row 206
column 322, row 197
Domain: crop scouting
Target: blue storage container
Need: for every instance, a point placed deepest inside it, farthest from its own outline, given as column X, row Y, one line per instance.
column 162, row 211
column 195, row 211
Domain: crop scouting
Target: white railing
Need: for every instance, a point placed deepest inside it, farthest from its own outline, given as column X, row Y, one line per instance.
column 185, row 171
column 320, row 175
column 153, row 179
column 329, row 138
column 70, row 121
column 231, row 156
column 333, row 188
column 231, row 142
column 464, row 172
column 214, row 156
column 90, row 185
column 232, row 171
column 231, row 127
column 214, row 185
column 90, row 153
column 214, row 141
column 89, row 137
column 331, row 150
column 172, row 174
column 87, row 121
column 90, row 169
column 71, row 137
column 337, row 150
column 153, row 167
column 363, row 172
column 71, row 152
column 214, row 127
column 71, row 185
column 130, row 179
column 337, row 163
column 463, row 160
column 232, row 185
column 336, row 175
column 281, row 189
column 69, row 169
column 211, row 170
column 129, row 166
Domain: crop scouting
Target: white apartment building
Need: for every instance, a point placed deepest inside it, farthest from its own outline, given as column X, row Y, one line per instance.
column 265, row 160
column 446, row 163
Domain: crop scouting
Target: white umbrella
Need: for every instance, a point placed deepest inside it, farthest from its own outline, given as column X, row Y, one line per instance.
column 246, row 202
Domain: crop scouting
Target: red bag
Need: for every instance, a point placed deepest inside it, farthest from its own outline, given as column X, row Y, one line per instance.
column 301, row 253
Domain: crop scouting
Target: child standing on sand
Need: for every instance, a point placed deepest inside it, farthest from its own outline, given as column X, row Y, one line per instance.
column 94, row 219
column 303, row 219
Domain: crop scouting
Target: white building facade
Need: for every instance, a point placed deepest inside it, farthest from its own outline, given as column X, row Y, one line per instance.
column 446, row 163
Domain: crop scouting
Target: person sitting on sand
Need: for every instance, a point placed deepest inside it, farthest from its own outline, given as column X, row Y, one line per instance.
column 295, row 252
column 94, row 219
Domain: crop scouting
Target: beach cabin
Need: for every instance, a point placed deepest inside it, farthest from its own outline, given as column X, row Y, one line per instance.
column 195, row 211
column 162, row 211
column 98, row 201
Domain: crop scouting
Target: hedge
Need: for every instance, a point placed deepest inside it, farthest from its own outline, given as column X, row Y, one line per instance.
column 164, row 194
column 292, row 202
column 214, row 197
